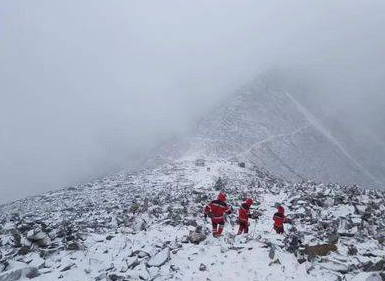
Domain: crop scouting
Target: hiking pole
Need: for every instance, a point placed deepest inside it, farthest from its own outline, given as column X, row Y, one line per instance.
column 255, row 216
column 254, row 229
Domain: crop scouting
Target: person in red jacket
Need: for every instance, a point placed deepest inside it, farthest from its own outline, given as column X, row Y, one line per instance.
column 279, row 219
column 244, row 215
column 216, row 210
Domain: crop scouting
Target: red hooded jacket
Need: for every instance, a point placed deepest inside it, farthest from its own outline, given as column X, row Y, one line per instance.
column 244, row 213
column 217, row 209
column 279, row 217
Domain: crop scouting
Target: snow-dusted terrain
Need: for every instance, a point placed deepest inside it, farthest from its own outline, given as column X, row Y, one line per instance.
column 271, row 128
column 148, row 225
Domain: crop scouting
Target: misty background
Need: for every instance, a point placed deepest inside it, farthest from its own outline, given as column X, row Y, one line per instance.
column 88, row 88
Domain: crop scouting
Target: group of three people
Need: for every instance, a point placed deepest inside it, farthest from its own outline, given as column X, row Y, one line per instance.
column 217, row 209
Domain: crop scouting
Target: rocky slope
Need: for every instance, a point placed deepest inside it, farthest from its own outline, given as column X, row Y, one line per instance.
column 148, row 225
column 271, row 128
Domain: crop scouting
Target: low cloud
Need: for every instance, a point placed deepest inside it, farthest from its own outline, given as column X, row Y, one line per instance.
column 88, row 87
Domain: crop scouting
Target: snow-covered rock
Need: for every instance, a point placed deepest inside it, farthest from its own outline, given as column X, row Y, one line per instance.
column 196, row 237
column 160, row 258
column 19, row 273
column 93, row 234
column 39, row 237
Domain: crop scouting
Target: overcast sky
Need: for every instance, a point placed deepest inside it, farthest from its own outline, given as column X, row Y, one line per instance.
column 87, row 87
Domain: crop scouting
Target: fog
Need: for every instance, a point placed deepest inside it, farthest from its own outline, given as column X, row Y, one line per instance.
column 89, row 87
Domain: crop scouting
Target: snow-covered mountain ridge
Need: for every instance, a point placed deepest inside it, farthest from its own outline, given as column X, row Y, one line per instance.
column 272, row 129
column 141, row 225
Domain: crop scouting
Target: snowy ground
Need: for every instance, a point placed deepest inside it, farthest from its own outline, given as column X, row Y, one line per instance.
column 136, row 226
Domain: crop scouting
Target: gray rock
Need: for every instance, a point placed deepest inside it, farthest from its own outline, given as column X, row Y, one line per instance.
column 134, row 208
column 352, row 250
column 272, row 252
column 333, row 238
column 196, row 237
column 35, row 235
column 44, row 242
column 200, row 162
column 190, row 222
column 293, row 242
column 301, row 260
column 277, row 261
column 3, row 266
column 202, row 267
column 116, row 277
column 24, row 250
column 74, row 246
column 160, row 258
column 17, row 274
column 39, row 237
column 380, row 237
column 67, row 267
column 16, row 238
column 378, row 266
column 13, row 275
column 337, row 266
column 32, row 273
column 131, row 264
column 145, row 205
column 109, row 237
column 140, row 254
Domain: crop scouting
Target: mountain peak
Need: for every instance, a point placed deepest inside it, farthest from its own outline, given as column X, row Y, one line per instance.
column 266, row 125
